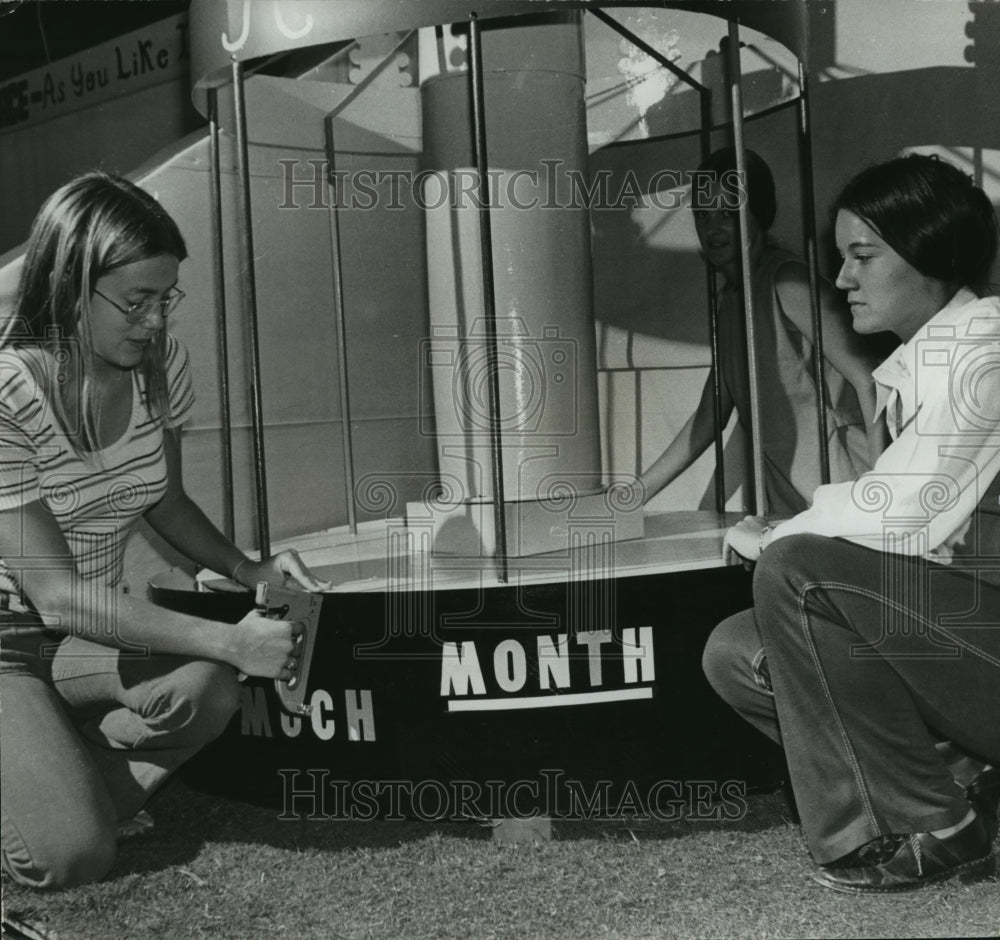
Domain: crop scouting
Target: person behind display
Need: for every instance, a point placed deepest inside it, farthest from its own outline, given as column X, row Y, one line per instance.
column 872, row 653
column 784, row 336
column 104, row 694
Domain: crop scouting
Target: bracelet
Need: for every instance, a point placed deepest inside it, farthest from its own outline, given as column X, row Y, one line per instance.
column 236, row 570
column 760, row 538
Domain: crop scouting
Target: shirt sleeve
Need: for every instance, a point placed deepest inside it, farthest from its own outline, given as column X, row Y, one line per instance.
column 179, row 386
column 22, row 414
column 925, row 486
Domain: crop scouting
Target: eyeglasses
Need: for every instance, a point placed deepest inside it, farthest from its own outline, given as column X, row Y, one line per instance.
column 140, row 312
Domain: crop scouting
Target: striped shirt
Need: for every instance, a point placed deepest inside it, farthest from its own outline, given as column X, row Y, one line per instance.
column 96, row 498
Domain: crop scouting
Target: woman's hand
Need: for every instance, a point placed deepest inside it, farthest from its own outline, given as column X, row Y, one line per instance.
column 743, row 542
column 265, row 647
column 282, row 569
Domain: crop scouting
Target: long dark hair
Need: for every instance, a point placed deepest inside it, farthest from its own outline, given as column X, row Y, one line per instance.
column 761, row 198
column 86, row 228
column 931, row 214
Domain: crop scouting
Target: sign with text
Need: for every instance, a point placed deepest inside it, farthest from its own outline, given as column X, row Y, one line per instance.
column 138, row 60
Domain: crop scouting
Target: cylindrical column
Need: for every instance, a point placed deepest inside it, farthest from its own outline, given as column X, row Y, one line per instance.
column 736, row 98
column 535, row 122
column 215, row 196
column 250, row 308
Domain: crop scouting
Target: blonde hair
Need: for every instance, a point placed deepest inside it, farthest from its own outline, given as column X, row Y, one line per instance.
column 86, row 228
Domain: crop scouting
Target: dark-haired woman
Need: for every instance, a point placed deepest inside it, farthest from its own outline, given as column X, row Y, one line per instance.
column 872, row 654
column 103, row 694
column 783, row 343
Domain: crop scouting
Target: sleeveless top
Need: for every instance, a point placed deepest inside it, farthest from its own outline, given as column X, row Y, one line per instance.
column 789, row 419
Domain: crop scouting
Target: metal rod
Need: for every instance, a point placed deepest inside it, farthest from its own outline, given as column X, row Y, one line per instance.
column 489, row 299
column 341, row 326
column 713, row 341
column 372, row 75
column 215, row 196
column 705, row 101
column 705, row 137
column 736, row 97
column 250, row 302
column 338, row 279
column 705, row 131
column 644, row 46
column 812, row 259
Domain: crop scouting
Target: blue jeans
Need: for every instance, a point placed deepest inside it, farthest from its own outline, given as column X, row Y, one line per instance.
column 88, row 734
column 858, row 663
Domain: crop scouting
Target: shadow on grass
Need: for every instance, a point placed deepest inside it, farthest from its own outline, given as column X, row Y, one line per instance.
column 187, row 820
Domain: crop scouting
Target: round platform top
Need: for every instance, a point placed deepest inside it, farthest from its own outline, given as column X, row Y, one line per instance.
column 224, row 30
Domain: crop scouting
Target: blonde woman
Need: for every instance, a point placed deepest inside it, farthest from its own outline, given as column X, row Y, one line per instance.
column 104, row 694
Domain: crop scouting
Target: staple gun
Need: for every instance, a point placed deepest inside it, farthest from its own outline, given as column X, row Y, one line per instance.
column 299, row 606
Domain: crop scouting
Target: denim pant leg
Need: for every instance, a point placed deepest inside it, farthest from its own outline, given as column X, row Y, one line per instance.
column 58, row 819
column 736, row 667
column 142, row 717
column 874, row 657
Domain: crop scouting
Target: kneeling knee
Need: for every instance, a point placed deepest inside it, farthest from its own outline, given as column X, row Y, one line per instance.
column 786, row 558
column 715, row 659
column 723, row 655
column 78, row 861
column 215, row 698
column 203, row 697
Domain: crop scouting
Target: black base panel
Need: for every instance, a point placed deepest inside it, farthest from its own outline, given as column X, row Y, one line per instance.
column 387, row 736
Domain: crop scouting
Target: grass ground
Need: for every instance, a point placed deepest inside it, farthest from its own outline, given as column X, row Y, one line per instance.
column 212, row 868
